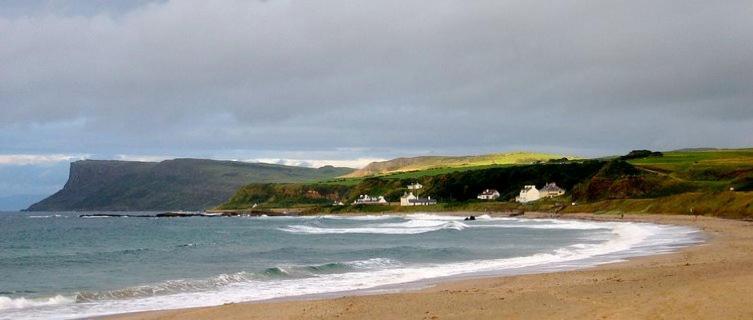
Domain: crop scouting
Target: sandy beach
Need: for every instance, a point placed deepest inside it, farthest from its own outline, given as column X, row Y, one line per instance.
column 710, row 281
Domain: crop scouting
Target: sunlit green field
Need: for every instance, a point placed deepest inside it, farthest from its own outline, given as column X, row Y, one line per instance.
column 447, row 164
column 416, row 173
column 711, row 166
column 684, row 160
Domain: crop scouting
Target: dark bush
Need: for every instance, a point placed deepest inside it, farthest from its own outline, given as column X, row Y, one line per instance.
column 638, row 154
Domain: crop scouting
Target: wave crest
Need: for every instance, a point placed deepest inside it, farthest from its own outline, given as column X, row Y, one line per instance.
column 409, row 227
column 193, row 285
column 164, row 288
column 7, row 303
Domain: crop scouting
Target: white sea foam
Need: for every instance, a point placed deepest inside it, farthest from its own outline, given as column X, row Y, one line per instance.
column 374, row 263
column 625, row 240
column 423, row 223
column 47, row 216
column 428, row 216
column 410, row 227
column 359, row 218
column 7, row 303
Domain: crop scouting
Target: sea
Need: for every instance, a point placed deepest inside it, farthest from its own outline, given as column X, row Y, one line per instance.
column 57, row 265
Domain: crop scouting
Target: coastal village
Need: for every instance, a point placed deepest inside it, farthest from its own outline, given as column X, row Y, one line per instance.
column 529, row 193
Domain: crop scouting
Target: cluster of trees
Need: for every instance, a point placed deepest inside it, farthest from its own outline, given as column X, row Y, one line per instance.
column 286, row 194
column 639, row 154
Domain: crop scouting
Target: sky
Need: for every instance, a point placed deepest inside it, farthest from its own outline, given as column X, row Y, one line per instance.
column 349, row 82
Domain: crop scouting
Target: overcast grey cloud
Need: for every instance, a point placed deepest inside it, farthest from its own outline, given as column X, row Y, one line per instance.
column 373, row 79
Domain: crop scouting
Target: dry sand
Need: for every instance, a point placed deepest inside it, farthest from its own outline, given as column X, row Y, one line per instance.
column 710, row 281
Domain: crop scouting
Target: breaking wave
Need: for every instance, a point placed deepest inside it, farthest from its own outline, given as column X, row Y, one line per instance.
column 410, row 227
column 423, row 223
column 195, row 285
column 7, row 303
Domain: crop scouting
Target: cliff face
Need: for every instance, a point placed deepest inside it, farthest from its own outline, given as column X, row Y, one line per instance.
column 180, row 184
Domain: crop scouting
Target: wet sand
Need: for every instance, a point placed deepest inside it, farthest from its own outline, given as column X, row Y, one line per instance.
column 709, row 281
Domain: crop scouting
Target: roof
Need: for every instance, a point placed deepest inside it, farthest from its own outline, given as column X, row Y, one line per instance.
column 422, row 200
column 551, row 187
column 489, row 192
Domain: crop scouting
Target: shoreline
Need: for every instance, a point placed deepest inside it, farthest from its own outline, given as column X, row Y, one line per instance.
column 701, row 281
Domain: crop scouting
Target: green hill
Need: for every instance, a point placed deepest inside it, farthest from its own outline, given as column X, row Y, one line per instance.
column 707, row 181
column 449, row 163
column 180, row 184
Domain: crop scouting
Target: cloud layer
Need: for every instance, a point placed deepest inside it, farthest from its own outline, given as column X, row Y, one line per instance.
column 37, row 159
column 347, row 80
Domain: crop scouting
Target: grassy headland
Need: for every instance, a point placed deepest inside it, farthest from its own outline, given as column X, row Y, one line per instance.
column 709, row 182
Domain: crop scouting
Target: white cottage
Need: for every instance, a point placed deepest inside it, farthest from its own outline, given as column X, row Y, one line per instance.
column 528, row 193
column 488, row 194
column 409, row 199
column 366, row 199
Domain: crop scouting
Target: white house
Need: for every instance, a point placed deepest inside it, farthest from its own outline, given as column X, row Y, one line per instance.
column 409, row 199
column 551, row 190
column 528, row 193
column 366, row 199
column 415, row 186
column 488, row 194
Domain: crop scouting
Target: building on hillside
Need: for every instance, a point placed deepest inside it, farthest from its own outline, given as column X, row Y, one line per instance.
column 409, row 199
column 338, row 203
column 488, row 194
column 366, row 199
column 551, row 190
column 528, row 193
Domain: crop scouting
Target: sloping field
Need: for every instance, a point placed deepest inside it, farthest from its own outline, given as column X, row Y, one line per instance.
column 448, row 163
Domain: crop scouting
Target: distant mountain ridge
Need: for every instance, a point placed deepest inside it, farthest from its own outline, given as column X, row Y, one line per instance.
column 179, row 184
column 431, row 162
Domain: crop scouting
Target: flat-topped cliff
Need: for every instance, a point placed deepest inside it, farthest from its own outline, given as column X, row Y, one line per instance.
column 180, row 184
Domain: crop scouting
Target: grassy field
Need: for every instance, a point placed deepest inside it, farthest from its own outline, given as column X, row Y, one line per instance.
column 446, row 163
column 734, row 205
column 351, row 181
column 712, row 170
column 681, row 164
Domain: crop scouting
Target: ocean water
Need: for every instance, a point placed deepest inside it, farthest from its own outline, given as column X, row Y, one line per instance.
column 60, row 266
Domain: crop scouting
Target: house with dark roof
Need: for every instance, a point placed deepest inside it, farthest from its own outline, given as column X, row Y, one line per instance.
column 551, row 190
column 409, row 199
